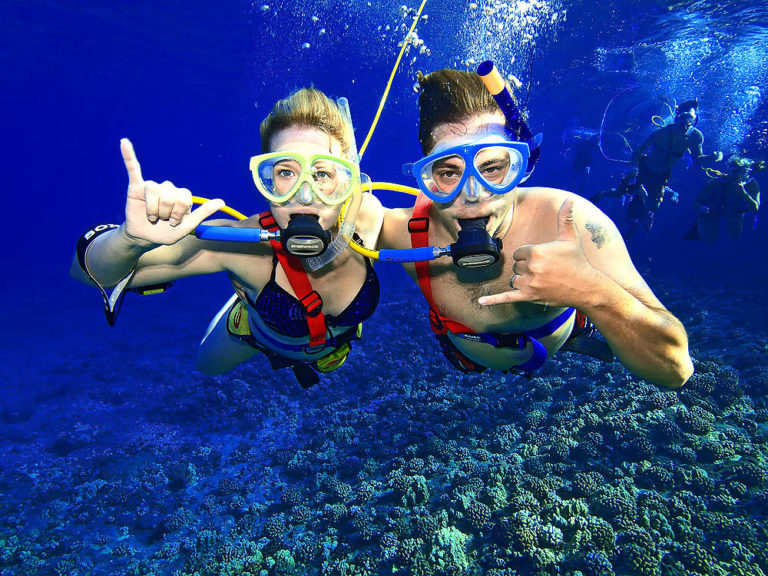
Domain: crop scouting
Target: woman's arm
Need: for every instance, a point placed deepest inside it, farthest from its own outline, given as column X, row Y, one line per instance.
column 155, row 234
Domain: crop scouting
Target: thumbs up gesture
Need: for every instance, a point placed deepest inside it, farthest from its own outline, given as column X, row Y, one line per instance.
column 553, row 273
column 158, row 213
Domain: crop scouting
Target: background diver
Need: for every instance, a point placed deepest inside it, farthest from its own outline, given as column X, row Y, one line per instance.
column 634, row 197
column 657, row 155
column 729, row 197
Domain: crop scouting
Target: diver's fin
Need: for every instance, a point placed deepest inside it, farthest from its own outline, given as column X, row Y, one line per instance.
column 693, row 232
column 589, row 343
column 305, row 376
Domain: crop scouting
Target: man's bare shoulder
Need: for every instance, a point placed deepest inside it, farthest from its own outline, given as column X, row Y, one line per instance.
column 399, row 215
column 369, row 219
column 394, row 233
column 592, row 222
column 542, row 198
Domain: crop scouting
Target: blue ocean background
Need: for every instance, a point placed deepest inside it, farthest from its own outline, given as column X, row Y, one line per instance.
column 117, row 457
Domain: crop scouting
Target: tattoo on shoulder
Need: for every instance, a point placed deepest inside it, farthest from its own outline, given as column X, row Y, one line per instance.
column 600, row 235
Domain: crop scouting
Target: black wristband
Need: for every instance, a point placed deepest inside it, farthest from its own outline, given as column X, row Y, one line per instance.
column 113, row 301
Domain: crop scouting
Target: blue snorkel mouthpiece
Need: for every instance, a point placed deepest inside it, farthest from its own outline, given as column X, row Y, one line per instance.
column 303, row 237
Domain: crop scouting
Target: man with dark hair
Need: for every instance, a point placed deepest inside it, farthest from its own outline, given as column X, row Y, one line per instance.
column 535, row 270
column 654, row 159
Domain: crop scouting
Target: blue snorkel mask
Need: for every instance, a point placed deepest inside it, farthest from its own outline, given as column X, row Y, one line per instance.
column 495, row 164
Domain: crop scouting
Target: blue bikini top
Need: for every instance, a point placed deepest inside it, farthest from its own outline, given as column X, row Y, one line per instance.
column 284, row 314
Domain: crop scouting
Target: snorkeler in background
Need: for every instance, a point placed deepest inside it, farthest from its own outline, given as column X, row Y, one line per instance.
column 635, row 198
column 657, row 155
column 298, row 316
column 730, row 198
column 580, row 146
column 540, row 268
column 626, row 190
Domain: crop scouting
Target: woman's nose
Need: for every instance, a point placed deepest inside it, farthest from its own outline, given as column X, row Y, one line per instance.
column 304, row 194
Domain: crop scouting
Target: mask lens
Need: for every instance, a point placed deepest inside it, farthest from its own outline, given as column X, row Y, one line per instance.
column 498, row 166
column 331, row 180
column 443, row 175
column 279, row 177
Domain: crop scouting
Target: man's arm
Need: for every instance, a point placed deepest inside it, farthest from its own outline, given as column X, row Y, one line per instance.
column 643, row 334
column 394, row 231
column 587, row 266
column 696, row 148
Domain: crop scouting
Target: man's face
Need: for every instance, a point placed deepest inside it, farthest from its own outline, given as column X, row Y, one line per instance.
column 738, row 173
column 685, row 119
column 474, row 201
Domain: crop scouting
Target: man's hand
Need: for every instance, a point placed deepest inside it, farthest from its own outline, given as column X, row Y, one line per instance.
column 554, row 273
column 158, row 213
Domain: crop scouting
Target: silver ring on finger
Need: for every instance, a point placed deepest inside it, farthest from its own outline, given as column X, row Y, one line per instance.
column 512, row 281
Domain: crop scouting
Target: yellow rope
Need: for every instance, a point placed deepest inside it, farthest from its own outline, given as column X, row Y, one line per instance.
column 391, row 78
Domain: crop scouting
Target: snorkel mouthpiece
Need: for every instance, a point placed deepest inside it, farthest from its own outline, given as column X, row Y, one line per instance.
column 475, row 248
column 304, row 236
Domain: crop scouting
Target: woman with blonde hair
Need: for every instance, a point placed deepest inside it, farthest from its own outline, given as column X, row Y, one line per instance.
column 300, row 298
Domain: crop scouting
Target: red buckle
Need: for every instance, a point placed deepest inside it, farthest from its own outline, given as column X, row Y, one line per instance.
column 312, row 303
column 436, row 322
column 267, row 221
column 418, row 225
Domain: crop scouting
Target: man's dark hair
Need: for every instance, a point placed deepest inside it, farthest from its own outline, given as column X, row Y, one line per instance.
column 450, row 96
column 687, row 105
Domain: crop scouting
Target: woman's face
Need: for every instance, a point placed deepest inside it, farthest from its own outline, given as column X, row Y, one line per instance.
column 482, row 203
column 304, row 201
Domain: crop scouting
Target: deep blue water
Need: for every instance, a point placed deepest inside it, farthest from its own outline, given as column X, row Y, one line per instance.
column 116, row 457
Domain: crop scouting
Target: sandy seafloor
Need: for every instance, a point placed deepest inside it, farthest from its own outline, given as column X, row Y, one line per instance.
column 118, row 458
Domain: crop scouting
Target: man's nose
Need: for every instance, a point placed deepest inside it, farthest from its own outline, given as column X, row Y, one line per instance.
column 471, row 190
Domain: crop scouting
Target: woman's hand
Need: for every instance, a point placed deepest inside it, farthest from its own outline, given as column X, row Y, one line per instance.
column 158, row 213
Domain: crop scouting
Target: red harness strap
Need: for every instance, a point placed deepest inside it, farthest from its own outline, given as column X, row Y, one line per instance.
column 297, row 278
column 418, row 226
